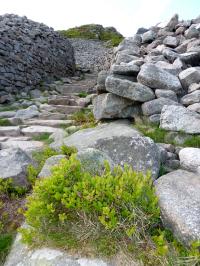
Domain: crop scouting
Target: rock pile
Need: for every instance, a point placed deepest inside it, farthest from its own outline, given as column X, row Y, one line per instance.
column 30, row 52
column 157, row 68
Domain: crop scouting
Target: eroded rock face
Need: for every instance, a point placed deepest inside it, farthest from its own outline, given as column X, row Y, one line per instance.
column 179, row 200
column 122, row 143
column 14, row 163
column 44, row 54
column 190, row 159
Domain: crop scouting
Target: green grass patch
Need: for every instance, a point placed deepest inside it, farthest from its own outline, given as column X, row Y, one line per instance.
column 44, row 138
column 5, row 122
column 5, row 245
column 193, row 141
column 94, row 32
column 102, row 215
column 84, row 118
column 83, row 94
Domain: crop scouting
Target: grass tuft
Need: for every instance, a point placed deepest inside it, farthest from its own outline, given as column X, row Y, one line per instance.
column 5, row 122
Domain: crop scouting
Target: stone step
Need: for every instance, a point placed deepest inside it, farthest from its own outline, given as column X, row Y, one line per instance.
column 70, row 100
column 75, row 88
column 25, row 145
column 7, row 114
column 63, row 109
column 50, row 123
column 44, row 115
column 35, row 131
column 12, row 131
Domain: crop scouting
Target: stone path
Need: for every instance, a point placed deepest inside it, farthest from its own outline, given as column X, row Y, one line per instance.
column 54, row 116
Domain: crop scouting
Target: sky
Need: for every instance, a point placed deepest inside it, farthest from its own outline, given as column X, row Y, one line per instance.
column 125, row 15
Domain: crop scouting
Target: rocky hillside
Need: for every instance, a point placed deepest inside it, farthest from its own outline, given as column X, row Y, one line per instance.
column 105, row 170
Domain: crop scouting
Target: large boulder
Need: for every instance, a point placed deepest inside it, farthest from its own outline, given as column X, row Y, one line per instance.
column 27, row 113
column 14, row 163
column 156, row 78
column 126, row 69
column 179, row 200
column 122, row 143
column 127, row 89
column 155, row 106
column 190, row 159
column 108, row 105
column 179, row 118
column 44, row 54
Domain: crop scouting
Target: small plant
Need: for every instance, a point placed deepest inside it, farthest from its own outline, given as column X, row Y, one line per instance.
column 43, row 137
column 85, row 118
column 5, row 122
column 5, row 245
column 68, row 150
column 83, row 94
column 193, row 141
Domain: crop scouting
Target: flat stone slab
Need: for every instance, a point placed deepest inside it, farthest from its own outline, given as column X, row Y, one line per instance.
column 179, row 200
column 122, row 143
column 27, row 146
column 64, row 109
column 12, row 131
column 33, row 131
column 50, row 123
column 7, row 114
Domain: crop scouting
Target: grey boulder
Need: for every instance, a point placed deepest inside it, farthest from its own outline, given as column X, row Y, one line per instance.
column 50, row 162
column 166, row 94
column 179, row 118
column 171, row 41
column 191, row 98
column 14, row 163
column 179, row 199
column 127, row 89
column 122, row 143
column 148, row 36
column 93, row 161
column 155, row 106
column 108, row 105
column 156, row 78
column 125, row 69
column 189, row 76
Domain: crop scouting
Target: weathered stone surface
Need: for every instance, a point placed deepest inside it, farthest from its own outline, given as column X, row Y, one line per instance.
column 50, row 123
column 101, row 80
column 171, row 68
column 170, row 54
column 171, row 25
column 194, row 87
column 93, row 160
column 57, row 137
column 148, row 36
column 33, row 131
column 129, row 43
column 155, row 106
column 108, row 105
column 44, row 53
column 121, row 143
column 12, row 131
column 191, row 58
column 14, row 163
column 191, row 33
column 191, row 98
column 179, row 118
column 194, row 107
column 156, row 78
column 189, row 76
column 21, row 255
column 155, row 119
column 123, row 57
column 171, row 41
column 166, row 94
column 130, row 90
column 25, row 145
column 7, row 114
column 179, row 200
column 125, row 69
column 50, row 162
column 28, row 113
column 190, row 159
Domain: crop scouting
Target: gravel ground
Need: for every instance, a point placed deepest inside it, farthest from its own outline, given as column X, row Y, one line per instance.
column 92, row 54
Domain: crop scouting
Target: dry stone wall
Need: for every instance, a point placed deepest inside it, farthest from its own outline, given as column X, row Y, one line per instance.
column 30, row 52
column 160, row 67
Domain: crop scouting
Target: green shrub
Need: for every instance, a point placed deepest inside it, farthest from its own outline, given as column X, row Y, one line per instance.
column 68, row 150
column 83, row 94
column 114, row 38
column 5, row 122
column 100, row 214
column 5, row 245
column 43, row 137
